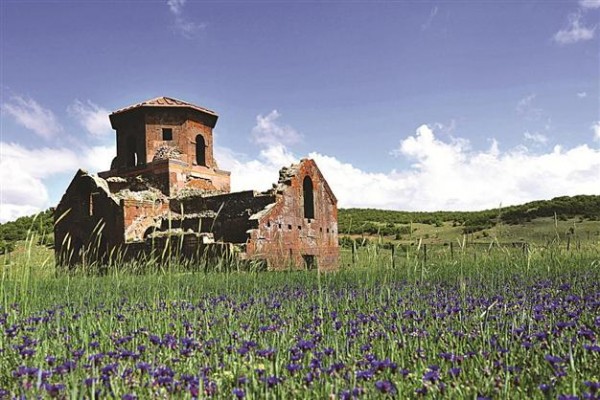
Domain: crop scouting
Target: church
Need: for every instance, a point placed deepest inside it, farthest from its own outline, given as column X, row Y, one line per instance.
column 165, row 194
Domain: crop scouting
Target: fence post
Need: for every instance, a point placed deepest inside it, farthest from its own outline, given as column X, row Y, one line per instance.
column 568, row 243
column 353, row 252
column 393, row 256
column 424, row 253
column 452, row 250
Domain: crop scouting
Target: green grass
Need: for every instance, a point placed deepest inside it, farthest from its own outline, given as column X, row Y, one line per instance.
column 540, row 231
column 495, row 322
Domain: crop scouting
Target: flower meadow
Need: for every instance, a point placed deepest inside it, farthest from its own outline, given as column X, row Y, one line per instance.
column 498, row 330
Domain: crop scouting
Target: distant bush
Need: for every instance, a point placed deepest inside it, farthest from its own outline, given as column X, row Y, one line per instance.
column 40, row 225
column 6, row 247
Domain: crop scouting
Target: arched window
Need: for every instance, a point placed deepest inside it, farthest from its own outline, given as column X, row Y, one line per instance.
column 200, row 150
column 131, row 157
column 309, row 203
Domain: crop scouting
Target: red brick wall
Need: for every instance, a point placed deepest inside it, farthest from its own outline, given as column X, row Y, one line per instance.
column 284, row 236
column 186, row 125
column 87, row 218
column 140, row 215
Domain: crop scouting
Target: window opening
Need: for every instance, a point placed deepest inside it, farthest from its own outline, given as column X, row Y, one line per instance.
column 131, row 153
column 309, row 204
column 310, row 261
column 200, row 150
column 167, row 133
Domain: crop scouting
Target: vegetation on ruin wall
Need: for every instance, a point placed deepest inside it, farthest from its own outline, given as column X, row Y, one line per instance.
column 507, row 323
column 357, row 221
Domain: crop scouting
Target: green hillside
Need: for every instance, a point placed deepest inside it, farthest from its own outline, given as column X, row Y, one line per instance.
column 39, row 225
column 536, row 221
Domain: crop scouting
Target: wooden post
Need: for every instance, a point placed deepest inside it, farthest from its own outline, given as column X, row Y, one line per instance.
column 425, row 253
column 353, row 251
column 452, row 250
column 568, row 243
column 393, row 255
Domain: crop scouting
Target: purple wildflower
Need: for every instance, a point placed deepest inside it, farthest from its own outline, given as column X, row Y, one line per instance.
column 385, row 387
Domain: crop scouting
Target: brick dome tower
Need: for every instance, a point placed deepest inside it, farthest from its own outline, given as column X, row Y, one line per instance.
column 169, row 142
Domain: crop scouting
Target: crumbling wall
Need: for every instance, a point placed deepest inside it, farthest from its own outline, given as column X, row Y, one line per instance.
column 88, row 221
column 284, row 237
column 142, row 217
column 227, row 216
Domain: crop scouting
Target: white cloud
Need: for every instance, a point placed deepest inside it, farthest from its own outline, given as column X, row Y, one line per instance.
column 28, row 113
column 268, row 131
column 93, row 118
column 536, row 137
column 526, row 108
column 183, row 26
column 452, row 176
column 23, row 171
column 581, row 95
column 596, row 129
column 259, row 174
column 443, row 175
column 574, row 32
column 176, row 6
column 589, row 3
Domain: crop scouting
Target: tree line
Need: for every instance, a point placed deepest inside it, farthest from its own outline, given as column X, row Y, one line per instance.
column 369, row 221
column 358, row 221
column 40, row 226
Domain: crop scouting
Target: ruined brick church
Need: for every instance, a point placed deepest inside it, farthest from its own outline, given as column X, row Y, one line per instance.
column 164, row 187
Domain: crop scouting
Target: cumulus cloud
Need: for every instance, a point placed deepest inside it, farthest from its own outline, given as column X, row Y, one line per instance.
column 92, row 117
column 183, row 26
column 255, row 174
column 23, row 172
column 536, row 137
column 444, row 175
column 575, row 31
column 445, row 172
column 589, row 3
column 269, row 131
column 28, row 113
column 596, row 129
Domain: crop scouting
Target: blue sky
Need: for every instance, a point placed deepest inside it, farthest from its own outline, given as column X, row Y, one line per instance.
column 404, row 105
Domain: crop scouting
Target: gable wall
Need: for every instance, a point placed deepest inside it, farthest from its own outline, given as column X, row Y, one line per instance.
column 284, row 236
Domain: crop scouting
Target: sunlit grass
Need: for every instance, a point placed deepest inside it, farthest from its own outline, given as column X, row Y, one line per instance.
column 495, row 322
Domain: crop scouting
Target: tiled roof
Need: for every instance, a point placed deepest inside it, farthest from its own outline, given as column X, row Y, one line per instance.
column 165, row 102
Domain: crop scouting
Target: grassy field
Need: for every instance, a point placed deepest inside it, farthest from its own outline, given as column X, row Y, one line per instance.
column 481, row 322
column 539, row 231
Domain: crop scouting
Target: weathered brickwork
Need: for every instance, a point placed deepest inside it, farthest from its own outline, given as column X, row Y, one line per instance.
column 164, row 182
